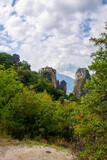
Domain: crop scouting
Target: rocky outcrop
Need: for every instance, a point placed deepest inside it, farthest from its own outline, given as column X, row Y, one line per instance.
column 16, row 59
column 57, row 84
column 50, row 73
column 80, row 79
column 62, row 85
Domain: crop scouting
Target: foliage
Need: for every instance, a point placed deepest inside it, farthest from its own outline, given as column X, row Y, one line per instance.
column 9, row 85
column 71, row 97
column 31, row 79
column 27, row 77
column 93, row 124
column 25, row 65
column 39, row 83
column 6, row 60
column 27, row 114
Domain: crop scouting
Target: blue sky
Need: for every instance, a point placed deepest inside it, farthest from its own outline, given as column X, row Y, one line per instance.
column 13, row 3
column 52, row 33
column 104, row 1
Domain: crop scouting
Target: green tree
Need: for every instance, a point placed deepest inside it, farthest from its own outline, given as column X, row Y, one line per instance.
column 71, row 97
column 27, row 77
column 6, row 60
column 92, row 124
column 25, row 65
column 9, row 85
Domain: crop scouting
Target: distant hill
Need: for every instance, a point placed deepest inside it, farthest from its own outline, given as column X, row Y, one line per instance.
column 69, row 80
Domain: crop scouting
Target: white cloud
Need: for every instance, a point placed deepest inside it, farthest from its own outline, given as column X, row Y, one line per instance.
column 16, row 28
column 99, row 18
column 53, row 32
column 5, row 10
column 72, row 6
column 4, row 48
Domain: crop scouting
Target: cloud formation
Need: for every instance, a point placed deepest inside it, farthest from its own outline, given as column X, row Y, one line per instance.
column 51, row 32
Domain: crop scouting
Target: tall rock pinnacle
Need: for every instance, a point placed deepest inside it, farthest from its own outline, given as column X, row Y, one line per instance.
column 80, row 79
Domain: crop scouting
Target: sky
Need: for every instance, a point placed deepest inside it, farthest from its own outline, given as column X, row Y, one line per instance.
column 52, row 33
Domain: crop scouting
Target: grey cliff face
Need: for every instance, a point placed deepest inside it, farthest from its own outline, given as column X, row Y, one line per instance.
column 80, row 79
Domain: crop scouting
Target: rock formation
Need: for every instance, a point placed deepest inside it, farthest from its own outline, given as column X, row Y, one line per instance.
column 62, row 85
column 50, row 74
column 80, row 79
column 16, row 59
column 57, row 84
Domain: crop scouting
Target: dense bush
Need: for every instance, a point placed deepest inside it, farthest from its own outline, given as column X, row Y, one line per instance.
column 25, row 115
column 29, row 115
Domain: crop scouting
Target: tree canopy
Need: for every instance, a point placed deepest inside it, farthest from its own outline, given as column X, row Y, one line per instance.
column 6, row 60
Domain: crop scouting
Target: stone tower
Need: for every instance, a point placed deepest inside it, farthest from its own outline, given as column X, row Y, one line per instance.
column 50, row 74
column 80, row 79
